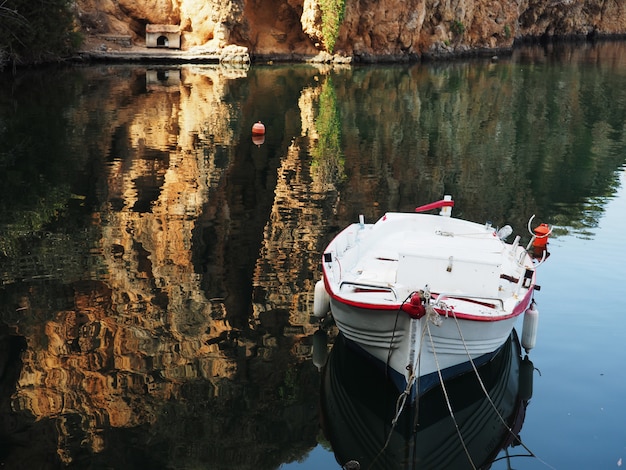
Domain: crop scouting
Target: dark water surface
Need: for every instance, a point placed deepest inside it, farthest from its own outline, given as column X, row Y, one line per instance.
column 157, row 262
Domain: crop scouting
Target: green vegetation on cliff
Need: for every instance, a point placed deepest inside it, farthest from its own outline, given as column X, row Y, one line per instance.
column 332, row 16
column 35, row 32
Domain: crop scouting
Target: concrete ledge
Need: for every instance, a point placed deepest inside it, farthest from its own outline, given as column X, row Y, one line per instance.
column 229, row 55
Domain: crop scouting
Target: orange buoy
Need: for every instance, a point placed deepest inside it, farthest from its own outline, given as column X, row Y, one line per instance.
column 258, row 128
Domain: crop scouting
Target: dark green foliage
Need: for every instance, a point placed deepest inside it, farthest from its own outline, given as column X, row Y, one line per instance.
column 36, row 31
column 332, row 16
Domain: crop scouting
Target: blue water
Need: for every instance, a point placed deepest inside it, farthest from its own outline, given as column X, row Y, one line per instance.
column 577, row 414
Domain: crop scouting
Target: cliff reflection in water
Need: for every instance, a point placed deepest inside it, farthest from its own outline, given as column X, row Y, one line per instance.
column 157, row 265
column 188, row 336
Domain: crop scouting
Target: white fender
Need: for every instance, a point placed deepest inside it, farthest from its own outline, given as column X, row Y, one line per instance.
column 321, row 300
column 529, row 327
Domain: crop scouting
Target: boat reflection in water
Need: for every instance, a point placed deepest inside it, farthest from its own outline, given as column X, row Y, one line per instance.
column 359, row 404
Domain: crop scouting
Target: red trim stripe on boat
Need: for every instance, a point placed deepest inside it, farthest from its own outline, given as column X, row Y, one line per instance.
column 518, row 310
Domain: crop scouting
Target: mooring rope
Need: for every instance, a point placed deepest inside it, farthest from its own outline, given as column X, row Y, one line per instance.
column 432, row 316
column 414, row 375
column 411, row 381
column 449, row 405
column 484, row 389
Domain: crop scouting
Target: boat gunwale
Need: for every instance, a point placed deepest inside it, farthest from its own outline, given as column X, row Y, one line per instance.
column 517, row 310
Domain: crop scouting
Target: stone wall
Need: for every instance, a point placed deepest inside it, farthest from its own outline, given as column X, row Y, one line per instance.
column 371, row 29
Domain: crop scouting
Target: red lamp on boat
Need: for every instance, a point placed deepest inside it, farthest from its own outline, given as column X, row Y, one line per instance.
column 542, row 234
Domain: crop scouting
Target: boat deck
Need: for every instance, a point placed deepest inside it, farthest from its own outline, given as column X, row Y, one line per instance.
column 404, row 253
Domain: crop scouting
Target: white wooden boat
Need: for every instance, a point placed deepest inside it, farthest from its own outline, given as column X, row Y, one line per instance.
column 426, row 294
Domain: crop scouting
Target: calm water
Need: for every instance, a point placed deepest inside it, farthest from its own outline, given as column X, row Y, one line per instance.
column 157, row 262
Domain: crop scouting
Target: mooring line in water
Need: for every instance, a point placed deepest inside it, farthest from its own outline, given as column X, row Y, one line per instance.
column 413, row 381
column 400, row 401
column 417, row 380
column 400, row 404
column 445, row 394
column 484, row 389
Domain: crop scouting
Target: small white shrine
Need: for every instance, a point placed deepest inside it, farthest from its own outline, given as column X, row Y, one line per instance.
column 163, row 35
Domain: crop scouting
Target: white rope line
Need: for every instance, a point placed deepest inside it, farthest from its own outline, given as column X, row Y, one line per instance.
column 414, row 375
column 473, row 234
column 413, row 380
column 445, row 394
column 482, row 386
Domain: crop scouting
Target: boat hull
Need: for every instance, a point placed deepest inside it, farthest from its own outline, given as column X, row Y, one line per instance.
column 357, row 412
column 427, row 297
column 417, row 351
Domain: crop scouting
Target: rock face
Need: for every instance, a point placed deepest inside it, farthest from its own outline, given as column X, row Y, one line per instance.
column 370, row 30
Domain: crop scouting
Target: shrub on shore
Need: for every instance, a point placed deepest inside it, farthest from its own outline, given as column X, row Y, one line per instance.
column 36, row 32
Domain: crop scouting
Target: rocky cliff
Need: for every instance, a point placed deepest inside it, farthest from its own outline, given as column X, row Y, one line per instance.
column 370, row 30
